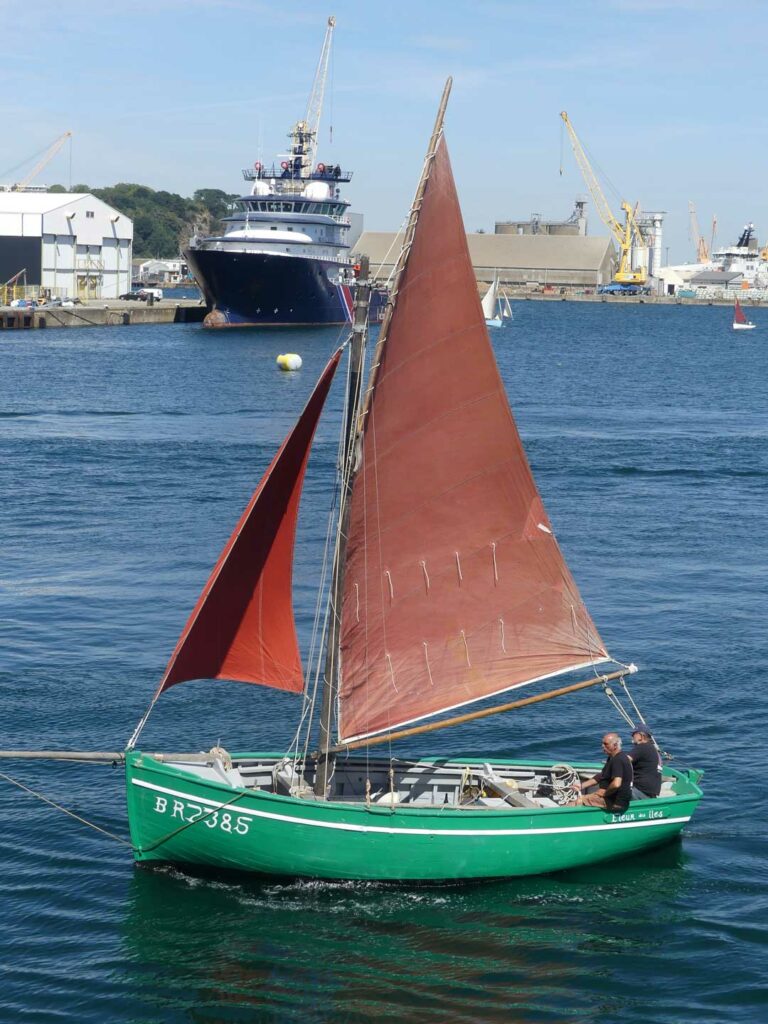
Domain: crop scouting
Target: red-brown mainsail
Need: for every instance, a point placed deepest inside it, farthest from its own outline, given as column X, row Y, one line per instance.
column 242, row 627
column 455, row 588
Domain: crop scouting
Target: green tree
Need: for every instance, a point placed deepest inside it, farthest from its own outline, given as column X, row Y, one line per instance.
column 216, row 201
column 163, row 222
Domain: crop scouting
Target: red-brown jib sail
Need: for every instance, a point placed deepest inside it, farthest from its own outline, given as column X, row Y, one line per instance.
column 242, row 627
column 455, row 588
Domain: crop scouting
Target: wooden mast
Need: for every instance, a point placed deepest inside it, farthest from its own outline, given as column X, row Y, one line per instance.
column 327, row 752
column 331, row 672
column 405, row 250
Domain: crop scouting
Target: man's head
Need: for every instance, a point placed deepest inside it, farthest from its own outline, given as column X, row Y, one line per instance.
column 611, row 743
column 641, row 734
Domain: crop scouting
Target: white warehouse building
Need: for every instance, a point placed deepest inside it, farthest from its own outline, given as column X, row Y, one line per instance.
column 68, row 243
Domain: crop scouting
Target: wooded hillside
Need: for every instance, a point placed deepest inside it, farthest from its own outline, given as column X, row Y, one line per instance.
column 163, row 222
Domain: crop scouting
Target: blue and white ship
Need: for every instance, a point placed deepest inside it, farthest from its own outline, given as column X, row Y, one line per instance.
column 284, row 256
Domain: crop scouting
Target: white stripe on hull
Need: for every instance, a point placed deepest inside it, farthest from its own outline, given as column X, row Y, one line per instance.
column 344, row 827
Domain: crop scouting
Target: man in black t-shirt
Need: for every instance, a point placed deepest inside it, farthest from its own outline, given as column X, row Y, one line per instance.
column 646, row 762
column 614, row 783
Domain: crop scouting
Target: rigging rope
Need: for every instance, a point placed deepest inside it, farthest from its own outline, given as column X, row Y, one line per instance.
column 617, row 705
column 322, row 606
column 106, row 832
column 188, row 824
column 64, row 810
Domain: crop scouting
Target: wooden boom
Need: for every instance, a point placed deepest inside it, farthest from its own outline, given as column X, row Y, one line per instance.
column 473, row 715
column 101, row 756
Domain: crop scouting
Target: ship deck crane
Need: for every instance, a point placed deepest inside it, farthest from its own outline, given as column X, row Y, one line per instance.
column 46, row 158
column 628, row 234
column 304, row 133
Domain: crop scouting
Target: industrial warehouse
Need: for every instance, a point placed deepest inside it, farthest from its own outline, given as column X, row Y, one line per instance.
column 575, row 262
column 64, row 244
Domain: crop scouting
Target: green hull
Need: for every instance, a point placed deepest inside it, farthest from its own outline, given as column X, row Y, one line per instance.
column 176, row 817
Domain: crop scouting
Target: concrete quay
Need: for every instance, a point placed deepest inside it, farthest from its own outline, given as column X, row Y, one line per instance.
column 109, row 313
column 565, row 295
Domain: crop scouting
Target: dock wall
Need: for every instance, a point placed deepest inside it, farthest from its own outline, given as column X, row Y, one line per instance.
column 116, row 314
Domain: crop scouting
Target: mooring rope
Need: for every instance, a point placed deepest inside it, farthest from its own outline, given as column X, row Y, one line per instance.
column 77, row 817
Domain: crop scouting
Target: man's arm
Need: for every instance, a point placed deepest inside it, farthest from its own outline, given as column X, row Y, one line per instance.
column 612, row 786
column 587, row 783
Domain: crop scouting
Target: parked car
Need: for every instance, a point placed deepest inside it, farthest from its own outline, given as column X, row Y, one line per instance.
column 143, row 294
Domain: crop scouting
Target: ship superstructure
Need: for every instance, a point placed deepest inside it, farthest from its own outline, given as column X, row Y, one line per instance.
column 283, row 257
column 743, row 258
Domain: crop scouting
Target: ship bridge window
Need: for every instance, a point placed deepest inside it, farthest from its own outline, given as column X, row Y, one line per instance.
column 280, row 207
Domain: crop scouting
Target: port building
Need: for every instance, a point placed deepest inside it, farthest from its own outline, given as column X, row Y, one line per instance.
column 542, row 260
column 64, row 244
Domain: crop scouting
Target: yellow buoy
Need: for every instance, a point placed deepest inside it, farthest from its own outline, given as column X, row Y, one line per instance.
column 289, row 361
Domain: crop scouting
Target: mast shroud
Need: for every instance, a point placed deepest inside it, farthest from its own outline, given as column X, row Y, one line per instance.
column 455, row 588
column 242, row 627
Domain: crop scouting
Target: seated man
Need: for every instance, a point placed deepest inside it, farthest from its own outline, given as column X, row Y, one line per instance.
column 614, row 783
column 646, row 764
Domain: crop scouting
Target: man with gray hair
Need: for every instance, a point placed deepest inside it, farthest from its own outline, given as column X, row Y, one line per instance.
column 614, row 783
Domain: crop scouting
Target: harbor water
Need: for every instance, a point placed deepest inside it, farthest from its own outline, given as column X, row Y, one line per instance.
column 126, row 457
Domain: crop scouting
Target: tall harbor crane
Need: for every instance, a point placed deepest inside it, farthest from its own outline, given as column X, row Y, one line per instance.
column 628, row 234
column 702, row 249
column 46, row 158
column 304, row 133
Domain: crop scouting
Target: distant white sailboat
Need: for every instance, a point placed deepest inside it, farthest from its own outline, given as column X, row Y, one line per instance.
column 495, row 310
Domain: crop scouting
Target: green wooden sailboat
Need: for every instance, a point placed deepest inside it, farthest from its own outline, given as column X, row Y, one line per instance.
column 447, row 588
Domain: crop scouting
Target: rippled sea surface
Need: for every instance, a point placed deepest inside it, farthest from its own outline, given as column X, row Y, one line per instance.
column 126, row 456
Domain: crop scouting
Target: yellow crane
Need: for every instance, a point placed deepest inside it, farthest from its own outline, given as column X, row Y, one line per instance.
column 702, row 249
column 628, row 234
column 46, row 158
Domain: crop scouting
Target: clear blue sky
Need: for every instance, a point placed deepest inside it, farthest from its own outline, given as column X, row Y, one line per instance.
column 669, row 96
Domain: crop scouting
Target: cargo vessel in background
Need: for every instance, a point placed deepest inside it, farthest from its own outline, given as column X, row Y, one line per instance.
column 283, row 258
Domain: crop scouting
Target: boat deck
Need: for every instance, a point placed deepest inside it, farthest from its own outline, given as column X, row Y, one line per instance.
column 456, row 784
